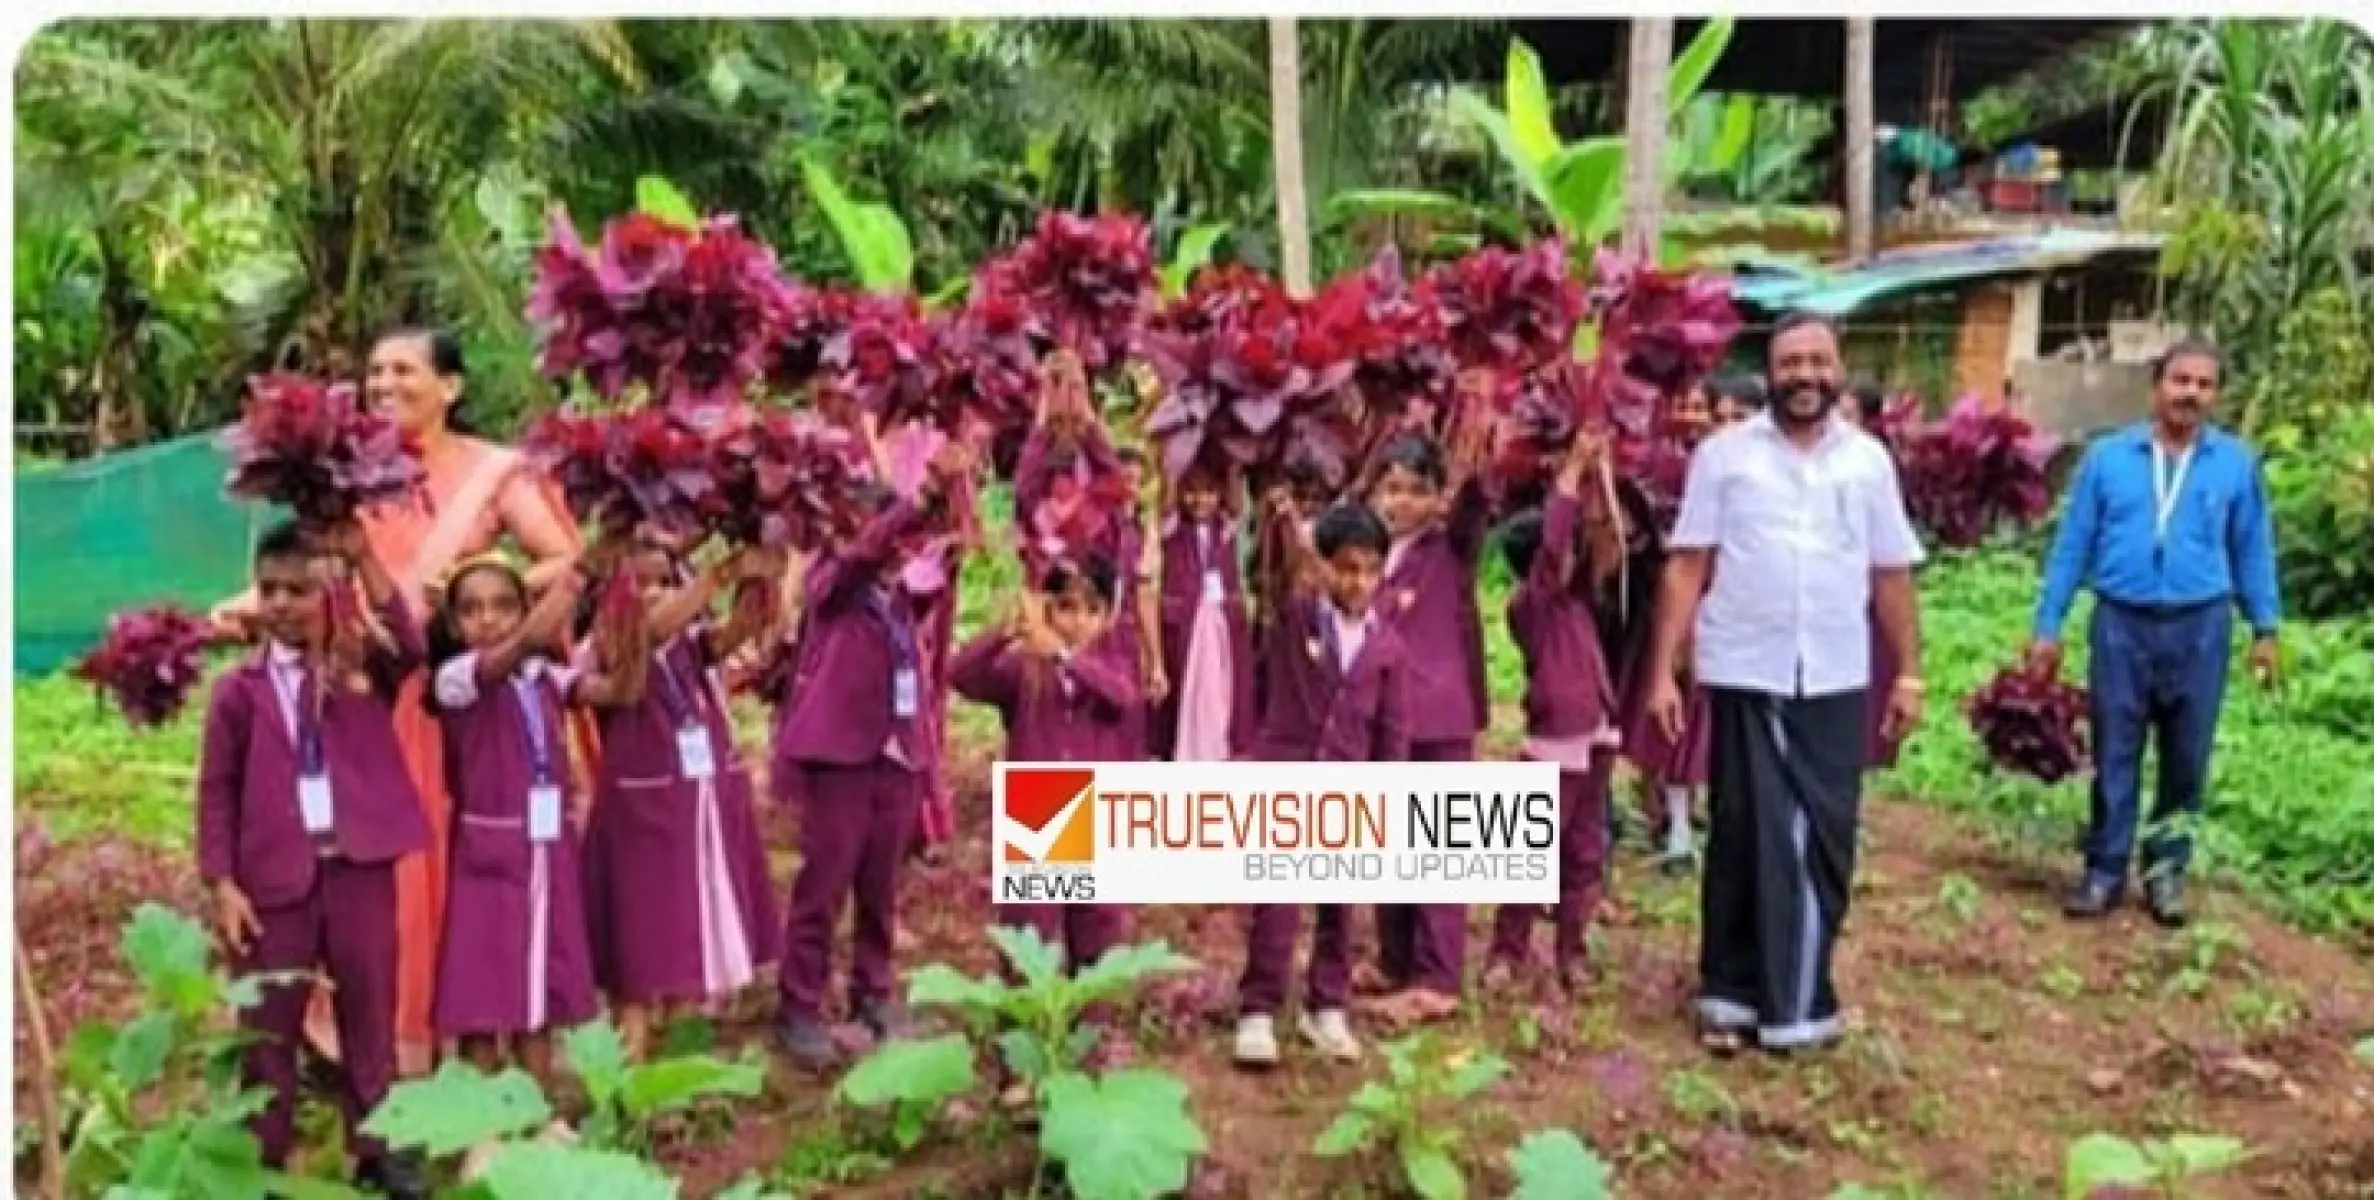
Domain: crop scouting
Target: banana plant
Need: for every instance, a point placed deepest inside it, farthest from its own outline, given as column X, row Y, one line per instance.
column 1579, row 184
column 872, row 235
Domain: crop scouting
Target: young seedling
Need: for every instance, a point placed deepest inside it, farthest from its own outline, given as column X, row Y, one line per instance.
column 2101, row 1160
column 912, row 1081
column 1036, row 1026
column 1409, row 1114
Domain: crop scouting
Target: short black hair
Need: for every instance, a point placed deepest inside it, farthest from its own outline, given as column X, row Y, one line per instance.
column 446, row 359
column 284, row 541
column 1747, row 390
column 1415, row 453
column 1796, row 319
column 1520, row 540
column 1346, row 524
column 1093, row 569
column 2189, row 348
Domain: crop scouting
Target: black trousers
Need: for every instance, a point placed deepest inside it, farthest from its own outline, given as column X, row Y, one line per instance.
column 1784, row 789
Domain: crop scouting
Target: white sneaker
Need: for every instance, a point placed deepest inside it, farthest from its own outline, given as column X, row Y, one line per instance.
column 1256, row 1041
column 1331, row 1032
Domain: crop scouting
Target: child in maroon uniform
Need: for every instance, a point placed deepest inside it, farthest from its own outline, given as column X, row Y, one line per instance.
column 1568, row 702
column 303, row 808
column 1339, row 683
column 515, row 962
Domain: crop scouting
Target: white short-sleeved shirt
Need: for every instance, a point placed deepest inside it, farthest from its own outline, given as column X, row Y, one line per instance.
column 1796, row 534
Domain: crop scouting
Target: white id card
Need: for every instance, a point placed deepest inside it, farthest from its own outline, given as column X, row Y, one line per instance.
column 313, row 802
column 692, row 753
column 904, row 700
column 1213, row 591
column 544, row 813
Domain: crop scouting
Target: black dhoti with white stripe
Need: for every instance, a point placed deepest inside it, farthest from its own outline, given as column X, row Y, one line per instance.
column 1785, row 792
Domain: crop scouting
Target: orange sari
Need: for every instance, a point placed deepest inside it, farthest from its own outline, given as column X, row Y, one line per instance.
column 474, row 498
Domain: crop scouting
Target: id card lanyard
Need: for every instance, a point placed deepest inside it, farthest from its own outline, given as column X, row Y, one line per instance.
column 314, row 805
column 905, row 688
column 693, row 753
column 2167, row 487
column 544, row 792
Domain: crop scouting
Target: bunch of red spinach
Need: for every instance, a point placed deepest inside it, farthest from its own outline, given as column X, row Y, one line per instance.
column 2031, row 723
column 623, row 470
column 313, row 448
column 688, row 317
column 1509, row 311
column 1248, row 373
column 1084, row 282
column 1975, row 470
column 779, row 481
column 149, row 663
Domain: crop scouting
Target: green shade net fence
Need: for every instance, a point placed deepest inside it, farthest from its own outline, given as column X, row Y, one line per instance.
column 140, row 527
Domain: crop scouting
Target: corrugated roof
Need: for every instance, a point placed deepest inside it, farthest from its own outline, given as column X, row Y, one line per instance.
column 1919, row 268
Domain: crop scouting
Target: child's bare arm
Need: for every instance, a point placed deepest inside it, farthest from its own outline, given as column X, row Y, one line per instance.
column 544, row 627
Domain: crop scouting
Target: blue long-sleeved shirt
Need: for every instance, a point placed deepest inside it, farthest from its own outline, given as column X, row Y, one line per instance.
column 2221, row 537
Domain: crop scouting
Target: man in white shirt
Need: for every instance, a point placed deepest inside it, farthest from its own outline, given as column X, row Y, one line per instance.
column 1796, row 519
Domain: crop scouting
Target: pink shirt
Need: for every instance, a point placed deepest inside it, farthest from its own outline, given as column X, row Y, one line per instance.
column 1350, row 635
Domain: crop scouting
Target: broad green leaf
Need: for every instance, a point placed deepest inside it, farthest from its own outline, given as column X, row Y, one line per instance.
column 1738, row 124
column 942, row 985
column 168, row 952
column 911, row 1073
column 725, row 79
column 1476, row 1074
column 2101, row 1160
column 1431, row 1173
column 1470, row 107
column 657, row 197
column 1585, row 186
column 542, row 1171
column 1527, row 98
column 1158, row 1139
column 1554, row 1164
column 673, row 1083
column 457, row 1108
column 1025, row 1054
column 90, row 1054
column 1192, row 254
column 1696, row 61
column 139, row 1056
column 2366, row 1052
column 2198, row 1154
column 598, row 1054
column 871, row 235
column 1038, row 961
column 1346, row 1135
column 1124, row 966
column 1375, row 1099
column 1397, row 202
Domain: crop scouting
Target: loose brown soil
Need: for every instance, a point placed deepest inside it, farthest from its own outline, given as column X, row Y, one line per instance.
column 1989, row 1034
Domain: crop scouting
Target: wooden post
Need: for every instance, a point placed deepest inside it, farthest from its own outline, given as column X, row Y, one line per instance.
column 1285, row 140
column 1860, row 231
column 1649, row 54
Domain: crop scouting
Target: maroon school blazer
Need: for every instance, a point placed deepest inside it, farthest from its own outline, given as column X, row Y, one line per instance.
column 250, row 830
column 1317, row 713
column 839, row 711
column 1430, row 601
column 1043, row 723
column 1567, row 693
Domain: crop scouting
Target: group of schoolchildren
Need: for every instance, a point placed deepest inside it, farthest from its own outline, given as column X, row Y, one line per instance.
column 642, row 878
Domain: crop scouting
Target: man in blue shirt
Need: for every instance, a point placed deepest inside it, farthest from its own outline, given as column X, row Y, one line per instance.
column 2168, row 524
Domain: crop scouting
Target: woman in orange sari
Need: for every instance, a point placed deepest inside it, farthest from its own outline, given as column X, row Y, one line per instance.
column 475, row 494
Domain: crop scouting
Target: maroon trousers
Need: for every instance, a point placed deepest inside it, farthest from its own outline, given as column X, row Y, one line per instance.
column 1082, row 931
column 1425, row 945
column 854, row 835
column 1269, row 959
column 348, row 923
column 1582, row 871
